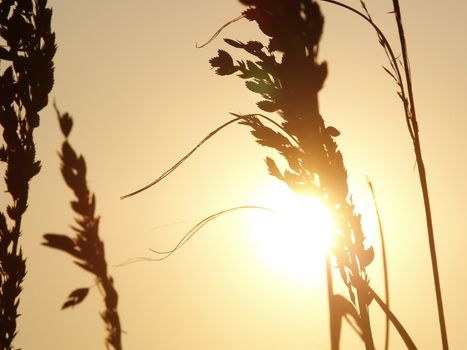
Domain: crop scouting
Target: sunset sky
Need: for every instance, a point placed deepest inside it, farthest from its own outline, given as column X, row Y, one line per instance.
column 142, row 95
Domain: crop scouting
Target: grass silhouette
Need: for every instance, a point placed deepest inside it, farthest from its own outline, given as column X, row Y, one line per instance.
column 286, row 73
column 28, row 48
column 400, row 72
column 287, row 76
column 85, row 246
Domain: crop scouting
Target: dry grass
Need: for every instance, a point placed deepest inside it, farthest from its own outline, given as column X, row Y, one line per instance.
column 400, row 71
column 286, row 74
column 27, row 50
column 85, row 246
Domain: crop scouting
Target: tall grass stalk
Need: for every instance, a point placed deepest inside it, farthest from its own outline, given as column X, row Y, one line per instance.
column 404, row 82
column 410, row 112
column 385, row 263
column 27, row 49
column 85, row 247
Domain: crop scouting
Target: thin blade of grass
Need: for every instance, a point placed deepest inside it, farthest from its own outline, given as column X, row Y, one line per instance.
column 389, row 52
column 400, row 329
column 169, row 171
column 334, row 321
column 187, row 236
column 385, row 263
column 411, row 115
column 237, row 118
column 216, row 34
column 200, row 225
column 272, row 121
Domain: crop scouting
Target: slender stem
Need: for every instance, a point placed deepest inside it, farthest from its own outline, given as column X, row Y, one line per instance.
column 422, row 175
column 237, row 118
column 334, row 331
column 431, row 240
column 365, row 319
column 385, row 264
column 389, row 52
column 15, row 235
column 400, row 329
column 110, row 314
column 362, row 294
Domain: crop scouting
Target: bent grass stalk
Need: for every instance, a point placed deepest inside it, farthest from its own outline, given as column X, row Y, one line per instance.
column 237, row 118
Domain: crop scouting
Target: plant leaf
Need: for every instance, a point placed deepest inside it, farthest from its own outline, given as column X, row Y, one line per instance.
column 272, row 168
column 332, row 131
column 75, row 297
column 234, row 43
column 258, row 87
column 390, row 74
column 366, row 257
column 61, row 242
column 223, row 63
column 66, row 123
column 267, row 106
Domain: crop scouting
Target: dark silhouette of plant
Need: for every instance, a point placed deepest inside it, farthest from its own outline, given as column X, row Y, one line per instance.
column 289, row 85
column 85, row 247
column 400, row 72
column 27, row 49
column 286, row 74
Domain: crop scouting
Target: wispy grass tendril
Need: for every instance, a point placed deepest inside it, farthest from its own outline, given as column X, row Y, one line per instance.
column 187, row 236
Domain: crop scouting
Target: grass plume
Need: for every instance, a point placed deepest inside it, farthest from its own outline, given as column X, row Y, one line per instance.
column 85, row 246
column 27, row 50
column 288, row 84
column 286, row 74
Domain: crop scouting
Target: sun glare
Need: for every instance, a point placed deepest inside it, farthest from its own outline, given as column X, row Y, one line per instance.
column 294, row 238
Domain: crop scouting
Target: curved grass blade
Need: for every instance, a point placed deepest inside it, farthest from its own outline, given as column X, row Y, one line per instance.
column 169, row 171
column 272, row 121
column 400, row 329
column 390, row 52
column 237, row 118
column 187, row 236
column 216, row 34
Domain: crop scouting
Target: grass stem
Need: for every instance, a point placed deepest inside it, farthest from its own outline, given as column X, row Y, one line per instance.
column 385, row 264
column 422, row 174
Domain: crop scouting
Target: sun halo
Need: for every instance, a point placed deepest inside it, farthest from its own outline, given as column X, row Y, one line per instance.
column 295, row 237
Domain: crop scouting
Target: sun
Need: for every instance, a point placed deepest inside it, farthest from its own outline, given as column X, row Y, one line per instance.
column 293, row 239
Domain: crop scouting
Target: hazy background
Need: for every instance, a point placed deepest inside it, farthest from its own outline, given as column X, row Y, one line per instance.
column 142, row 95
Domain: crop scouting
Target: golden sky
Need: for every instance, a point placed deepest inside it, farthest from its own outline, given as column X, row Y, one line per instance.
column 142, row 95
